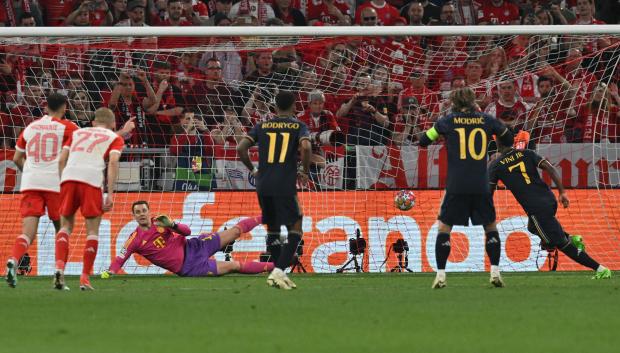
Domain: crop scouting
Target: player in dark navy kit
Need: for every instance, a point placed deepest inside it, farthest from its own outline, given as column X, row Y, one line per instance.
column 518, row 170
column 467, row 132
column 280, row 141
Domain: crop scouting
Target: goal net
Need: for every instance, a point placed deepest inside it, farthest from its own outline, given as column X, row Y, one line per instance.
column 364, row 97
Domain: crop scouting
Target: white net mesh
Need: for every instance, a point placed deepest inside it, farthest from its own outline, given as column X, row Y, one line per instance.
column 561, row 89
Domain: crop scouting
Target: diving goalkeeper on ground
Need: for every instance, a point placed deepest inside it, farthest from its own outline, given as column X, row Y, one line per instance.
column 163, row 242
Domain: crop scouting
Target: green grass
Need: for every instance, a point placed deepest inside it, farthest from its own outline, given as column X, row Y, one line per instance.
column 536, row 312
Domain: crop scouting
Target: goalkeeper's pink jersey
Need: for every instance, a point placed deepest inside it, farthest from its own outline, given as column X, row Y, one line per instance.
column 161, row 246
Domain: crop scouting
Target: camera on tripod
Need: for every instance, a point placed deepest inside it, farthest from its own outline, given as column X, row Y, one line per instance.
column 401, row 248
column 357, row 247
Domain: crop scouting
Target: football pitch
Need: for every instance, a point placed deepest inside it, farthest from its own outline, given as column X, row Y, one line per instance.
column 536, row 312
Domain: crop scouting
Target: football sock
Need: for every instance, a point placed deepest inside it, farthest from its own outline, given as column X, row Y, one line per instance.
column 580, row 257
column 493, row 246
column 19, row 248
column 248, row 224
column 288, row 250
column 273, row 246
column 90, row 253
column 255, row 267
column 62, row 249
column 442, row 250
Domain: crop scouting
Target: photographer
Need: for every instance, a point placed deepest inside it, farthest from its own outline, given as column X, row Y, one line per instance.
column 367, row 115
column 230, row 130
column 322, row 124
column 193, row 146
column 408, row 124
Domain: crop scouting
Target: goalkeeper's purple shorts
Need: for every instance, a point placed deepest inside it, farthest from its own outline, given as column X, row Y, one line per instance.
column 198, row 251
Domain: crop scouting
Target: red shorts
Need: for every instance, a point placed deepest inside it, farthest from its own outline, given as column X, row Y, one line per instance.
column 34, row 202
column 87, row 198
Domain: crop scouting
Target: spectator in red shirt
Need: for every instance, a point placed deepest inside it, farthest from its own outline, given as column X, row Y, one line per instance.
column 193, row 146
column 194, row 11
column 427, row 100
column 498, row 12
column 27, row 20
column 445, row 63
column 415, row 14
column 473, row 79
column 80, row 110
column 598, row 119
column 29, row 107
column 507, row 107
column 175, row 15
column 53, row 11
column 408, row 124
column 368, row 17
column 386, row 13
column 585, row 13
column 446, row 15
column 230, row 130
column 552, row 119
column 328, row 12
column 577, row 75
column 288, row 14
column 88, row 13
column 136, row 13
column 126, row 103
column 322, row 123
column 119, row 11
column 494, row 62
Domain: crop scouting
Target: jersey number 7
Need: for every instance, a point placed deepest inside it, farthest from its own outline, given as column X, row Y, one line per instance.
column 273, row 139
column 521, row 166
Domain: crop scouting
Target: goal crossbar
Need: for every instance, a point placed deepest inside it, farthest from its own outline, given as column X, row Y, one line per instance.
column 197, row 31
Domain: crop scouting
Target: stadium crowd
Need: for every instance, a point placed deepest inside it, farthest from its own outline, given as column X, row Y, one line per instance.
column 360, row 91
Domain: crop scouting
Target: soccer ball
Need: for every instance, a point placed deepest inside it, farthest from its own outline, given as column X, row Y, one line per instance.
column 404, row 200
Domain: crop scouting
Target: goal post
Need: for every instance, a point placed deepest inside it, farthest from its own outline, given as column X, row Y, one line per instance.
column 365, row 93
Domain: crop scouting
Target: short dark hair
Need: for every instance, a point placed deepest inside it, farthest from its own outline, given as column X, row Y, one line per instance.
column 55, row 101
column 285, row 100
column 139, row 202
column 542, row 79
column 161, row 65
column 25, row 14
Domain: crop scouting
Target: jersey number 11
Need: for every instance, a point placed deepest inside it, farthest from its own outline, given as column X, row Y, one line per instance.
column 273, row 139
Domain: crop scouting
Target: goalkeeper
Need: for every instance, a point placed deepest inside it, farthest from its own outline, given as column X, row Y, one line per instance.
column 163, row 242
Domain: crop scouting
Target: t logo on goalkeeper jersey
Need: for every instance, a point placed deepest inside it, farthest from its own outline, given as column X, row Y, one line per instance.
column 159, row 242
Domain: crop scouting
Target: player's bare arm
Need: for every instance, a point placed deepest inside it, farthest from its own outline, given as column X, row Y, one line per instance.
column 19, row 158
column 62, row 162
column 306, row 156
column 113, row 165
column 546, row 166
column 242, row 150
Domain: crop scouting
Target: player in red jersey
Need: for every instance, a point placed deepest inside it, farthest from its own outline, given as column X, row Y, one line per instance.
column 82, row 163
column 37, row 154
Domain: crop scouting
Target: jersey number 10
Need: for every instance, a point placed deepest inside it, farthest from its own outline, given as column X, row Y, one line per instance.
column 273, row 139
column 468, row 143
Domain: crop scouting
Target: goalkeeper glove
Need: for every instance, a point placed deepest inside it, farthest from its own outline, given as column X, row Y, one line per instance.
column 165, row 221
column 106, row 274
